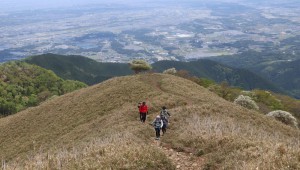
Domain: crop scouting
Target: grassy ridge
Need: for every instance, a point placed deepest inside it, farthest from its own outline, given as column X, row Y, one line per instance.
column 98, row 127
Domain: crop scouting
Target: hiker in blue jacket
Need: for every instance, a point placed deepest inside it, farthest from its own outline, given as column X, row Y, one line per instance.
column 157, row 124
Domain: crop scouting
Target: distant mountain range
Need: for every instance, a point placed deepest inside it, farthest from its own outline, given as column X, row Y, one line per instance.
column 282, row 69
column 91, row 72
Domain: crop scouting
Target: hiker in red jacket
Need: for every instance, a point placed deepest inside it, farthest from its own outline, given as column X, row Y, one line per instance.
column 143, row 112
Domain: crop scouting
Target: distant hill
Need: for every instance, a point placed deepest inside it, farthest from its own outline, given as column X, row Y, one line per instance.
column 285, row 74
column 92, row 72
column 24, row 85
column 280, row 69
column 98, row 128
column 80, row 68
column 219, row 72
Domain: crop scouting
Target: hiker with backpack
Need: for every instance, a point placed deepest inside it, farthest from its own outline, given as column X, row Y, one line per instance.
column 157, row 124
column 143, row 108
column 164, row 115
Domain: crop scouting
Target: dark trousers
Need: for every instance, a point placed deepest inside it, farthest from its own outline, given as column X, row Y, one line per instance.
column 157, row 131
column 165, row 125
column 143, row 117
column 164, row 129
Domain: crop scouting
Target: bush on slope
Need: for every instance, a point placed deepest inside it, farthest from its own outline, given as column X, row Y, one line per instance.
column 284, row 117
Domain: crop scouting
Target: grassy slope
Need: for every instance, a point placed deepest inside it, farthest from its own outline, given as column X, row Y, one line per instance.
column 98, row 127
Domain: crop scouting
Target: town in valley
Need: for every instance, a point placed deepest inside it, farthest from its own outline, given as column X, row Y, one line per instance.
column 170, row 30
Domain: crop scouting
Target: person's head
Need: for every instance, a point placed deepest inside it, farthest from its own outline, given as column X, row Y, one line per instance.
column 144, row 103
column 157, row 117
column 164, row 108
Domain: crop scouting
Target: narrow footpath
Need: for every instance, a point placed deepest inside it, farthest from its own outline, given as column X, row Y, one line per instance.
column 181, row 160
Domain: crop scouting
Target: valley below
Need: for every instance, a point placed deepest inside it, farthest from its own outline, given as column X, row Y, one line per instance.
column 152, row 31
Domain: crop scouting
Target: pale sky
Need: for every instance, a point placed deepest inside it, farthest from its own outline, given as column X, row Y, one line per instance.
column 15, row 5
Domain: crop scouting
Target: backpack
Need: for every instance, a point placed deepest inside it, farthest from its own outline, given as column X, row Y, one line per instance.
column 157, row 123
column 164, row 114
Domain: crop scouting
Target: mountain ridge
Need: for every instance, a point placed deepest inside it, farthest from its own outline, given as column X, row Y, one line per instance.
column 79, row 68
column 219, row 72
column 91, row 72
column 282, row 69
column 99, row 128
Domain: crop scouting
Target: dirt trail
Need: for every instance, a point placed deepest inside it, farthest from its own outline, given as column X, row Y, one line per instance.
column 181, row 160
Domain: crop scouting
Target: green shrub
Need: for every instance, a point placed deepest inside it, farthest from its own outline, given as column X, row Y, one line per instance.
column 206, row 82
column 268, row 99
column 284, row 117
column 140, row 65
column 225, row 91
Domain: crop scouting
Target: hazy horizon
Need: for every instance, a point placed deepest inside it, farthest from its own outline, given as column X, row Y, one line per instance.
column 21, row 5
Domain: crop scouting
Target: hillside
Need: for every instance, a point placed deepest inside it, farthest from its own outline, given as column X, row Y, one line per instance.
column 24, row 85
column 79, row 68
column 92, row 72
column 285, row 74
column 98, row 128
column 219, row 72
column 282, row 69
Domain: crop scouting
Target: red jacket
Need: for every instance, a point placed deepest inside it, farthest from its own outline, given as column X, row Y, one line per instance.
column 143, row 108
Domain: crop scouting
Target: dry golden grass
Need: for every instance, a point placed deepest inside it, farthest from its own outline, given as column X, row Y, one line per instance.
column 234, row 139
column 98, row 128
column 111, row 152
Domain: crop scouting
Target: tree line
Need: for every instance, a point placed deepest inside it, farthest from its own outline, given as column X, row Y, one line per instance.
column 24, row 85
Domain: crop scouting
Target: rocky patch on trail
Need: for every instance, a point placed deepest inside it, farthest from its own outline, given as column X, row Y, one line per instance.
column 182, row 160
